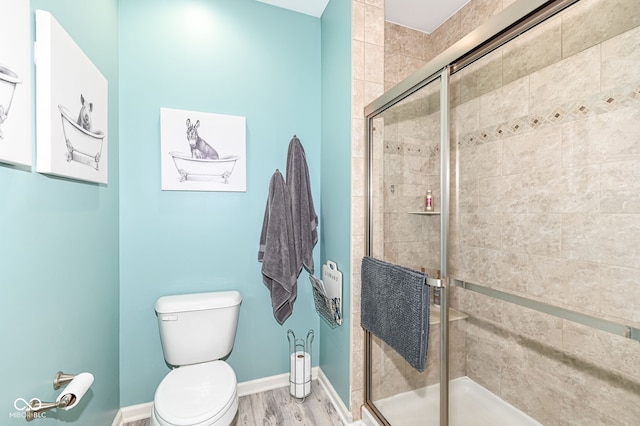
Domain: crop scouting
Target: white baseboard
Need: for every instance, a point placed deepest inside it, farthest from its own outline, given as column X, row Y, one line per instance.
column 132, row 413
column 268, row 383
column 143, row 411
column 341, row 409
column 117, row 421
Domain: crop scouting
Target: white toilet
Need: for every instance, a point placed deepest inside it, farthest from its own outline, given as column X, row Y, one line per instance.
column 196, row 331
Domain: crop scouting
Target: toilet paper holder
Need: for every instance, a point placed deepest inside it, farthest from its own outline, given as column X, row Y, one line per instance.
column 36, row 406
column 301, row 365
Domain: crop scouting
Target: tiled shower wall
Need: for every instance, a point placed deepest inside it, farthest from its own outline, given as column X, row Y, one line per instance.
column 406, row 50
column 389, row 53
column 546, row 141
column 547, row 147
column 411, row 132
column 406, row 159
column 411, row 166
column 367, row 58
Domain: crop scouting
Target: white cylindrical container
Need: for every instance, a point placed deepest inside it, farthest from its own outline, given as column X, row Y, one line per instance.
column 300, row 374
column 76, row 389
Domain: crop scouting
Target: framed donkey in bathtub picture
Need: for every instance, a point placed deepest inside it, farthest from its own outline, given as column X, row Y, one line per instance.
column 202, row 151
column 71, row 107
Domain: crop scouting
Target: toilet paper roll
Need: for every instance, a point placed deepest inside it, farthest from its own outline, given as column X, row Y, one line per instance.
column 300, row 375
column 76, row 388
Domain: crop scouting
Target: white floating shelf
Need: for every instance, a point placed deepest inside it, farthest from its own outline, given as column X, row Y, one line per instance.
column 425, row 213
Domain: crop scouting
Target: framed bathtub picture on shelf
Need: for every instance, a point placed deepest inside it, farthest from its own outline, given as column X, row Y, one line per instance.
column 201, row 151
column 15, row 83
column 71, row 107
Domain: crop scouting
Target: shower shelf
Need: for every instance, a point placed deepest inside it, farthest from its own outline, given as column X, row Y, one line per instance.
column 454, row 315
column 425, row 213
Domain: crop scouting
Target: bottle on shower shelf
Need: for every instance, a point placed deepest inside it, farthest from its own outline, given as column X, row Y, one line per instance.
column 428, row 202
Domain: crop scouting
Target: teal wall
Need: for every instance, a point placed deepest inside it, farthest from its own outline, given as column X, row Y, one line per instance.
column 83, row 264
column 237, row 57
column 59, row 257
column 336, row 182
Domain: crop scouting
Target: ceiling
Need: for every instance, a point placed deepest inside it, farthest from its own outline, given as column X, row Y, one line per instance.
column 422, row 15
column 308, row 7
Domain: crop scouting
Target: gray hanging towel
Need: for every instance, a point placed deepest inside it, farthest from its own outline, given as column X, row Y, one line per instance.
column 277, row 250
column 305, row 219
column 395, row 308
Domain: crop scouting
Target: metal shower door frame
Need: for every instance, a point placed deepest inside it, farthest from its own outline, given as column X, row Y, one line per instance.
column 443, row 76
column 513, row 21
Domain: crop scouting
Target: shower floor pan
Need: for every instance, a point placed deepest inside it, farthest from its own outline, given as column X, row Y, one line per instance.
column 469, row 405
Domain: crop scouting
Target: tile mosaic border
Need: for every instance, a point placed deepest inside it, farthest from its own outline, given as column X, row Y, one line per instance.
column 604, row 102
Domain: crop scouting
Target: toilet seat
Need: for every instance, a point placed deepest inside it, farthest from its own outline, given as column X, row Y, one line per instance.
column 199, row 394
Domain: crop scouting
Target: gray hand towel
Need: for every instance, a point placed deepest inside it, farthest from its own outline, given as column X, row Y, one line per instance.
column 395, row 307
column 277, row 252
column 305, row 220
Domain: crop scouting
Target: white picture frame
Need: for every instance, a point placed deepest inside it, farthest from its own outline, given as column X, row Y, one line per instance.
column 202, row 151
column 71, row 107
column 16, row 136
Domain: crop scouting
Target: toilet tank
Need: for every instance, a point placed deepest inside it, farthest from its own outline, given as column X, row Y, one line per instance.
column 197, row 328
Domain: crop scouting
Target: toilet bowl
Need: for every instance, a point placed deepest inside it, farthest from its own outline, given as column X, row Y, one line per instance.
column 196, row 395
column 197, row 331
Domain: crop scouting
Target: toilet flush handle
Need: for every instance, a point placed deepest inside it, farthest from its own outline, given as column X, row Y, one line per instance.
column 169, row 318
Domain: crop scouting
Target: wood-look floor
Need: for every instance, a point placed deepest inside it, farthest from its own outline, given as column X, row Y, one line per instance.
column 278, row 408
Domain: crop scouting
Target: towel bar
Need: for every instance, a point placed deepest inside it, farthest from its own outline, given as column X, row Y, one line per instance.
column 435, row 282
column 602, row 324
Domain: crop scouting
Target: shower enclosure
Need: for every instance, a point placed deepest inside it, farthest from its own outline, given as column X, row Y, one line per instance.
column 527, row 133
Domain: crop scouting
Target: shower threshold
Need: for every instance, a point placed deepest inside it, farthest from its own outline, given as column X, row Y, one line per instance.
column 469, row 405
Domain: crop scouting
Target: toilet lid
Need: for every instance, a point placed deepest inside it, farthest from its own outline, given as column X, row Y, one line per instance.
column 195, row 393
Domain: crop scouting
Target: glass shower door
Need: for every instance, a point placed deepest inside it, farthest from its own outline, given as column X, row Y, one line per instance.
column 405, row 229
column 541, row 257
column 546, row 221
